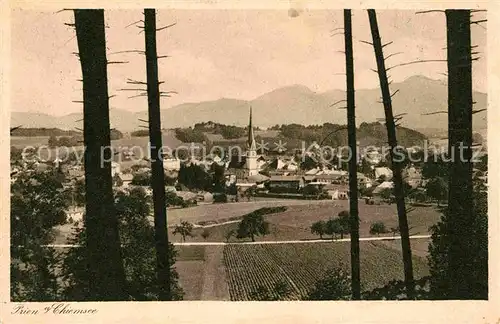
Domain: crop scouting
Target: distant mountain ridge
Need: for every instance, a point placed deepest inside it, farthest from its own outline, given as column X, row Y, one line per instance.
column 417, row 96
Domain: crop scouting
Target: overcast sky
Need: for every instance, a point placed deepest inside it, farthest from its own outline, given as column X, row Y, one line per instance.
column 223, row 53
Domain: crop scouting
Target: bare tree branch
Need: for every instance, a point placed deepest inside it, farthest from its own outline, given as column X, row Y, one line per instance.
column 143, row 120
column 337, row 102
column 77, row 101
column 415, row 62
column 135, row 22
column 59, row 11
column 478, row 24
column 130, row 81
column 165, row 27
column 135, row 89
column 12, row 129
column 478, row 111
column 118, row 62
column 366, row 42
column 340, row 28
column 341, row 33
column 139, row 95
column 435, row 113
column 394, row 93
column 129, row 51
column 391, row 55
column 163, row 56
column 428, row 11
column 387, row 44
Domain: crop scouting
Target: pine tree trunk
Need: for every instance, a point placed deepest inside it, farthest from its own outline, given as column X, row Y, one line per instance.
column 395, row 165
column 106, row 272
column 460, row 215
column 353, row 168
column 157, row 171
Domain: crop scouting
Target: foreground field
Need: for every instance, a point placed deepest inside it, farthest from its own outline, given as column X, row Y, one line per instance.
column 235, row 271
column 301, row 265
column 295, row 222
column 224, row 212
column 201, row 273
column 292, row 224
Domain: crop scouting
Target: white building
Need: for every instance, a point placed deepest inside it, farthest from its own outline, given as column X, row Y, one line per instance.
column 172, row 164
column 115, row 168
column 383, row 171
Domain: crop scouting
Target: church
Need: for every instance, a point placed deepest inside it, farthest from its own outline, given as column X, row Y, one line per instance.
column 245, row 169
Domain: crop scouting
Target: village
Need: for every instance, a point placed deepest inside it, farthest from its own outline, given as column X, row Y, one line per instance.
column 245, row 177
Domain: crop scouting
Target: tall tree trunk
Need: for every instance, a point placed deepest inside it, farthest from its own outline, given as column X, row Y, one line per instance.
column 460, row 203
column 353, row 169
column 396, row 165
column 157, row 173
column 106, row 272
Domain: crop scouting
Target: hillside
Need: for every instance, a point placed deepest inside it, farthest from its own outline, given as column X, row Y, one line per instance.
column 417, row 95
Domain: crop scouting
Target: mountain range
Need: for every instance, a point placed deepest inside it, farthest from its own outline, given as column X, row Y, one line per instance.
column 417, row 95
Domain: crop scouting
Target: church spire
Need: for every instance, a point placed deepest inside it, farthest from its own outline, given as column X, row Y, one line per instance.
column 251, row 138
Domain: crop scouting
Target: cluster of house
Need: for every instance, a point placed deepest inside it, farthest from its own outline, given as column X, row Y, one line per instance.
column 276, row 174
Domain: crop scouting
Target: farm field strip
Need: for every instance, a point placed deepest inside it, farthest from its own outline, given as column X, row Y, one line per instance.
column 250, row 266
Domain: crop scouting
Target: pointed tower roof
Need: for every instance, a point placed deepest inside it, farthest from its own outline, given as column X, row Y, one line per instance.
column 251, row 138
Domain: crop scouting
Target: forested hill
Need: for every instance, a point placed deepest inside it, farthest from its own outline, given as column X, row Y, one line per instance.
column 367, row 134
column 31, row 132
column 327, row 134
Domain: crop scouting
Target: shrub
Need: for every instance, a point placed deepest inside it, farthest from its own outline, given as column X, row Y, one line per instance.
column 319, row 228
column 220, row 198
column 335, row 285
column 205, row 234
column 184, row 229
column 378, row 228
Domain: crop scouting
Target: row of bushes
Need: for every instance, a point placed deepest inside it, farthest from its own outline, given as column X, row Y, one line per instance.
column 292, row 196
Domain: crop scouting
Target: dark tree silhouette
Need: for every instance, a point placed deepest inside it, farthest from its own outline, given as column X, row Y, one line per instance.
column 460, row 197
column 106, row 278
column 353, row 167
column 396, row 165
column 157, row 171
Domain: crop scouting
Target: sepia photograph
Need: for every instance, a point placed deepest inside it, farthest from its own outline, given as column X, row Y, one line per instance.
column 298, row 154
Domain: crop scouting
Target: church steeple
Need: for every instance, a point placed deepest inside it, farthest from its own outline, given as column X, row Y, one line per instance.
column 251, row 139
column 251, row 155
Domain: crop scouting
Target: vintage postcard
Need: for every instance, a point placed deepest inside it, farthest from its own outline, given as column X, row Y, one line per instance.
column 222, row 161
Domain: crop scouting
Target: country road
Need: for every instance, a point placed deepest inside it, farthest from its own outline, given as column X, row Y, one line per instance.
column 363, row 239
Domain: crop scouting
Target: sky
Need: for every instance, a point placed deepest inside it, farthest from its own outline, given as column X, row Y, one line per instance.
column 217, row 54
